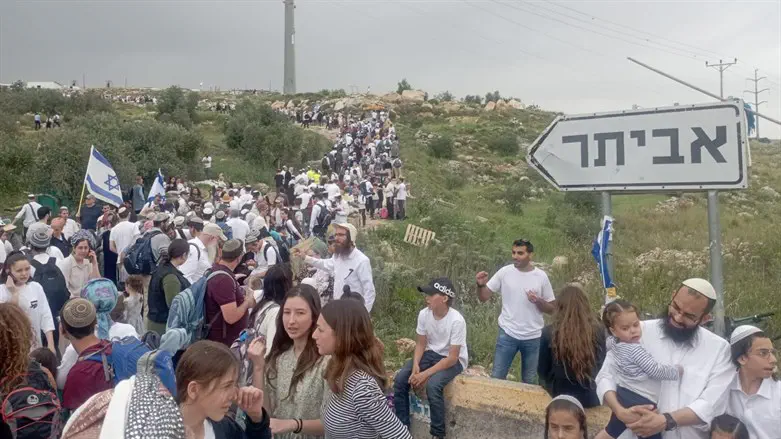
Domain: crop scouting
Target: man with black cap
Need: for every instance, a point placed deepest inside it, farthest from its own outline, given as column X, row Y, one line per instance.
column 226, row 302
column 684, row 406
column 440, row 354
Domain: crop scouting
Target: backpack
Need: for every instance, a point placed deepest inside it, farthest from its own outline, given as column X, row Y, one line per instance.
column 384, row 213
column 283, row 253
column 364, row 186
column 240, row 345
column 139, row 258
column 186, row 316
column 397, row 163
column 325, row 164
column 32, row 409
column 122, row 362
column 324, row 218
column 53, row 283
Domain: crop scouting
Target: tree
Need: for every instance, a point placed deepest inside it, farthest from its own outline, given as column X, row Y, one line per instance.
column 18, row 85
column 177, row 107
column 445, row 96
column 442, row 148
column 473, row 99
column 492, row 97
column 403, row 85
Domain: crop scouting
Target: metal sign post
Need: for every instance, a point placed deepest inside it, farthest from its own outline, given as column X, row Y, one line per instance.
column 694, row 148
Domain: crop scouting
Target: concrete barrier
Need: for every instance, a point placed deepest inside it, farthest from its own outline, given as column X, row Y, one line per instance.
column 479, row 408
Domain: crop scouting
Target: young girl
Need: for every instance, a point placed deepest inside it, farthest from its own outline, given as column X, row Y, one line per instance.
column 134, row 303
column 205, row 390
column 565, row 419
column 15, row 288
column 728, row 427
column 638, row 373
column 357, row 408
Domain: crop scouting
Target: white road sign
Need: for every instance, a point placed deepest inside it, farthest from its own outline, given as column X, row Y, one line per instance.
column 693, row 147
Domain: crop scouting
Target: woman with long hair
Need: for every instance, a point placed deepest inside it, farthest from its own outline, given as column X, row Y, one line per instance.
column 293, row 373
column 357, row 408
column 206, row 389
column 276, row 283
column 572, row 348
column 167, row 281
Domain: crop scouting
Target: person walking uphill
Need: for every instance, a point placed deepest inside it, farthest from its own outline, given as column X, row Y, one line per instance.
column 526, row 295
column 440, row 354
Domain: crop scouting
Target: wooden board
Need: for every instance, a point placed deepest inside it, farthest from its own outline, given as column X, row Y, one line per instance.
column 418, row 236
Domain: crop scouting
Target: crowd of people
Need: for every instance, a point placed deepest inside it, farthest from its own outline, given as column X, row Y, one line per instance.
column 237, row 314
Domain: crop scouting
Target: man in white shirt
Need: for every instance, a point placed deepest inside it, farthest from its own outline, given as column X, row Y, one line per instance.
column 29, row 212
column 686, row 407
column 238, row 226
column 206, row 237
column 401, row 199
column 526, row 295
column 267, row 252
column 71, row 226
column 123, row 235
column 754, row 396
column 207, row 165
column 341, row 210
column 332, row 189
column 349, row 266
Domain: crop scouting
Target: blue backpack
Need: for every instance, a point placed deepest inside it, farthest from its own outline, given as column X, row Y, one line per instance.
column 139, row 258
column 122, row 362
column 186, row 316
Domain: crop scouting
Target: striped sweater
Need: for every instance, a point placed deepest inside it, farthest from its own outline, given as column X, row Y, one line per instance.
column 633, row 361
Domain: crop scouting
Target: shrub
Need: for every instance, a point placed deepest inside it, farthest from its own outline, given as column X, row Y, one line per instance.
column 454, row 181
column 493, row 97
column 175, row 106
column 442, row 147
column 403, row 85
column 445, row 96
column 504, row 144
column 473, row 99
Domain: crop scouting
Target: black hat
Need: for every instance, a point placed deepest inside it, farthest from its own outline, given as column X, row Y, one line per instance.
column 440, row 285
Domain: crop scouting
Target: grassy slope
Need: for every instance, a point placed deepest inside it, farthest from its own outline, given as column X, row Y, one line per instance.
column 467, row 245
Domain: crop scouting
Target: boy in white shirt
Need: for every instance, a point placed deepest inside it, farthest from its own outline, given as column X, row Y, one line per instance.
column 440, row 354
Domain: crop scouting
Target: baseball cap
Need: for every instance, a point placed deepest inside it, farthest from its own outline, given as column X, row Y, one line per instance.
column 741, row 332
column 440, row 285
column 78, row 313
column 701, row 286
column 214, row 230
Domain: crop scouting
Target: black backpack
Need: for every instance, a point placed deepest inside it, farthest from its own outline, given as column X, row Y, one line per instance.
column 140, row 259
column 31, row 408
column 53, row 283
column 324, row 218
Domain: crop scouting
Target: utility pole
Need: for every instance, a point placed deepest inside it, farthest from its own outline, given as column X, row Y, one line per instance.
column 721, row 67
column 757, row 102
column 289, row 84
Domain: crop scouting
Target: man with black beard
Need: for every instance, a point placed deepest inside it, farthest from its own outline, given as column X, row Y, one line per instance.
column 349, row 267
column 686, row 407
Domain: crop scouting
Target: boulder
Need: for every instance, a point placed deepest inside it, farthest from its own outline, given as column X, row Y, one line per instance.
column 490, row 106
column 560, row 261
column 451, row 106
column 414, row 95
column 501, row 105
column 515, row 103
column 427, row 106
column 405, row 345
column 290, row 104
column 339, row 105
column 391, row 97
column 769, row 192
column 481, row 219
column 278, row 105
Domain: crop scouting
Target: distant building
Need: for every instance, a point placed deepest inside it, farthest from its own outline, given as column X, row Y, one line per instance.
column 50, row 85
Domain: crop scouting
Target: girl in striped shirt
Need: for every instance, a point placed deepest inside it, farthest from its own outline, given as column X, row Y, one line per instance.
column 638, row 374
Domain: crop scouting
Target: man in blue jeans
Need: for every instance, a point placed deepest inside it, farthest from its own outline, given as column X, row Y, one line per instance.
column 526, row 295
column 440, row 355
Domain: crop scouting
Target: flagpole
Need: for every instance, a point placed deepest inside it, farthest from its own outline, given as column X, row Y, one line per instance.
column 84, row 184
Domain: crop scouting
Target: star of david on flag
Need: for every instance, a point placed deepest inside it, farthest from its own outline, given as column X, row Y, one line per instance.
column 101, row 180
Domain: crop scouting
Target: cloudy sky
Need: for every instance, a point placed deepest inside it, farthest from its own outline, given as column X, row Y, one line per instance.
column 563, row 55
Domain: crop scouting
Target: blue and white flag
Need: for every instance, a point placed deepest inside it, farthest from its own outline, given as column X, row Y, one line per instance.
column 600, row 251
column 158, row 188
column 101, row 180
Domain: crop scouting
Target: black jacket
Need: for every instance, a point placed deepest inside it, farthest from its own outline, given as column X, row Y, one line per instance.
column 227, row 428
column 158, row 307
column 558, row 379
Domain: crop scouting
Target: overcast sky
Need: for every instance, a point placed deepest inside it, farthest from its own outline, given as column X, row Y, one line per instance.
column 566, row 56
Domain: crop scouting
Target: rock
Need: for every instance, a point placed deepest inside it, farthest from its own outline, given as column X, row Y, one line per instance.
column 262, row 187
column 515, row 103
column 476, row 371
column 490, row 106
column 560, row 261
column 278, row 105
column 481, row 219
column 414, row 95
column 427, row 106
column 501, row 201
column 430, row 136
column 339, row 105
column 769, row 192
column 451, row 107
column 525, row 178
column 405, row 345
column 501, row 105
column 391, row 97
column 290, row 104
column 457, row 144
column 745, row 215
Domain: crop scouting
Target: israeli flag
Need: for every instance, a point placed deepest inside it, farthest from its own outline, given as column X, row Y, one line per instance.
column 601, row 249
column 101, row 180
column 158, row 188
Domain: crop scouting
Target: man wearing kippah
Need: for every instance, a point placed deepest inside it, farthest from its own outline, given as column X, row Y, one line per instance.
column 226, row 302
column 684, row 406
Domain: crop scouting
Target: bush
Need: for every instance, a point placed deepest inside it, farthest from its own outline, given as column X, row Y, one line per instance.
column 454, row 181
column 504, row 144
column 403, row 85
column 445, row 96
column 442, row 148
column 493, row 97
column 473, row 99
column 174, row 106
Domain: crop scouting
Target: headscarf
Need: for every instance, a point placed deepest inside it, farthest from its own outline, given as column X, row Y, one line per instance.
column 82, row 235
column 103, row 294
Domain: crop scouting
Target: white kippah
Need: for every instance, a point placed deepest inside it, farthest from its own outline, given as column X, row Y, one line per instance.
column 741, row 332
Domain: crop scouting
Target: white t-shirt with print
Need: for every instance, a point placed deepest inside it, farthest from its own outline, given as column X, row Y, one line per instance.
column 124, row 235
column 33, row 301
column 520, row 318
column 444, row 333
